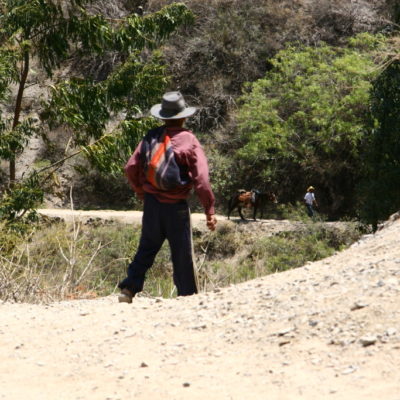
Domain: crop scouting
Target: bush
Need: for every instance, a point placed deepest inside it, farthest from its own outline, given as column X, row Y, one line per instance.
column 9, row 239
column 278, row 254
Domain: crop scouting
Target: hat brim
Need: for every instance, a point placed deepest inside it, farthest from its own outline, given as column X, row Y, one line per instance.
column 157, row 112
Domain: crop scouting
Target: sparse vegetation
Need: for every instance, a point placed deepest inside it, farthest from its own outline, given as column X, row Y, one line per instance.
column 61, row 261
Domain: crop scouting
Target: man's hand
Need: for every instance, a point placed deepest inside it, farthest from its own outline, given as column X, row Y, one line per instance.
column 211, row 222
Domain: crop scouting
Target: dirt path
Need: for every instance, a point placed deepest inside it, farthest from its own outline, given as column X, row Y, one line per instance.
column 265, row 226
column 126, row 217
column 328, row 330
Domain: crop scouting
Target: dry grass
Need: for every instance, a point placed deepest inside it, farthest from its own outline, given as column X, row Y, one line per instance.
column 59, row 261
column 55, row 263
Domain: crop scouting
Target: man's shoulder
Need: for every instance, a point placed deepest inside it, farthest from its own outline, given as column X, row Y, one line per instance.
column 184, row 136
column 182, row 132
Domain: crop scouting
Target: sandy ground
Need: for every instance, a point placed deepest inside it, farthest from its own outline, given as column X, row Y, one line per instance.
column 328, row 330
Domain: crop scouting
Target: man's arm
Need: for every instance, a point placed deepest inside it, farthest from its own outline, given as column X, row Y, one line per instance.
column 198, row 167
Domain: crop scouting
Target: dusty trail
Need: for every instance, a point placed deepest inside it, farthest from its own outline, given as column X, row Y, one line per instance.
column 328, row 330
column 265, row 226
column 126, row 217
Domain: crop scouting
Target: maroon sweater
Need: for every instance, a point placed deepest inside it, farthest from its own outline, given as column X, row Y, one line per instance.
column 188, row 152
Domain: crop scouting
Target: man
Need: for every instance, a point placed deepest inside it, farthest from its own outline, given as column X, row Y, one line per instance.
column 166, row 214
column 310, row 201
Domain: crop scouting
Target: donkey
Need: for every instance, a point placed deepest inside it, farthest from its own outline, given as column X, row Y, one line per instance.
column 254, row 198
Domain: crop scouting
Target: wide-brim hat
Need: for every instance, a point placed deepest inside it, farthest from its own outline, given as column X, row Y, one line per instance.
column 310, row 188
column 173, row 106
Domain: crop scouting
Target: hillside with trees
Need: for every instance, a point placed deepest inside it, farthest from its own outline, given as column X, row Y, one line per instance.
column 287, row 93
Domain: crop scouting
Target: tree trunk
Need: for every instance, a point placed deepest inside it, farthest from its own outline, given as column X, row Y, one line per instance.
column 17, row 110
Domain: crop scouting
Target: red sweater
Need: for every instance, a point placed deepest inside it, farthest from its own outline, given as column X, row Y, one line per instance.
column 187, row 151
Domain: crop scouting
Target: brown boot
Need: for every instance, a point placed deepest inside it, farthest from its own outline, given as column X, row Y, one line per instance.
column 126, row 296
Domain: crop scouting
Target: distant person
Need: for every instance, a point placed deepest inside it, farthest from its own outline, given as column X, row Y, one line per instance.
column 310, row 201
column 162, row 171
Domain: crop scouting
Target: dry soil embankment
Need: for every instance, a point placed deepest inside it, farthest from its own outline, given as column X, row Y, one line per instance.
column 328, row 330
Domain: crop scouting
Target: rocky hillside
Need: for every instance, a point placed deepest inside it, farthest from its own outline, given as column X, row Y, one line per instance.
column 327, row 330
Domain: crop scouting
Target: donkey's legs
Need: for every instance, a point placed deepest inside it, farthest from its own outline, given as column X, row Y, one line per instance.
column 240, row 213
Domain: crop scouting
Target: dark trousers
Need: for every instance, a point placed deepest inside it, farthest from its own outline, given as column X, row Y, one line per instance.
column 164, row 221
column 310, row 210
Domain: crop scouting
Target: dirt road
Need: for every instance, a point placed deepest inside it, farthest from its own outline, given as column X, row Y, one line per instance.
column 265, row 226
column 126, row 217
column 328, row 330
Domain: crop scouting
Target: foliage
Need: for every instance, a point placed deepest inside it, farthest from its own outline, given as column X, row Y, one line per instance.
column 280, row 254
column 380, row 188
column 46, row 30
column 14, row 140
column 110, row 154
column 305, row 121
column 9, row 239
column 87, row 105
column 222, row 170
column 8, row 72
column 18, row 206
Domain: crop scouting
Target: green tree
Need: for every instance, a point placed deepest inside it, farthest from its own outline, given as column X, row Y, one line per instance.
column 305, row 122
column 87, row 105
column 51, row 32
column 380, row 188
column 393, row 7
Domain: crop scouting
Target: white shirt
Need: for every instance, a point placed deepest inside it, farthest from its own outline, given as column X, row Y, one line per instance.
column 309, row 198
